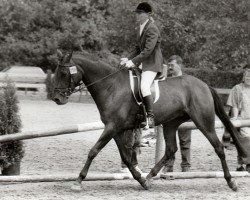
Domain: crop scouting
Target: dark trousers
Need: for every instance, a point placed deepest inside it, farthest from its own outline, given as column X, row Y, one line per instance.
column 132, row 140
column 185, row 143
column 226, row 140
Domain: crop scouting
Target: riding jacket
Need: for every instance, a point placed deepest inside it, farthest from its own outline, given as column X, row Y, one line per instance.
column 147, row 51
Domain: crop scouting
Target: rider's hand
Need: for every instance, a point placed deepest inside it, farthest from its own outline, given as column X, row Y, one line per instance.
column 234, row 118
column 123, row 61
column 129, row 64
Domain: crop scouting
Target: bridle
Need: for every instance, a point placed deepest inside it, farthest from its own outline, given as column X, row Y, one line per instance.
column 66, row 92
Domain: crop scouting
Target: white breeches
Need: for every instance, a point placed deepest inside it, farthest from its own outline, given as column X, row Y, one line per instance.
column 147, row 79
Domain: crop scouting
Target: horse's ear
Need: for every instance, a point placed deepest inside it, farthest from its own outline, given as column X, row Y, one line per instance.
column 68, row 56
column 59, row 54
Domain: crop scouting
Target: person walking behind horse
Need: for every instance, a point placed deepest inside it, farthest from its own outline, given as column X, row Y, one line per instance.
column 131, row 140
column 239, row 101
column 147, row 55
column 175, row 65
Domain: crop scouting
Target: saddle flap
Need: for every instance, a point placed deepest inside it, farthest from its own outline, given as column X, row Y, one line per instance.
column 135, row 81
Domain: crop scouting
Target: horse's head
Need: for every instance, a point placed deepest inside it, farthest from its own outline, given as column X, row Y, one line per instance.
column 67, row 77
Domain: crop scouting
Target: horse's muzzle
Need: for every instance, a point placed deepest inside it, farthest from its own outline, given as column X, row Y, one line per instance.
column 60, row 100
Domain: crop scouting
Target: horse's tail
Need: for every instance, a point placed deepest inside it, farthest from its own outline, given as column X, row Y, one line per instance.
column 220, row 112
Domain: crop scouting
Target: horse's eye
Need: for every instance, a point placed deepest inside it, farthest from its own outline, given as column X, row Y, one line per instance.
column 63, row 73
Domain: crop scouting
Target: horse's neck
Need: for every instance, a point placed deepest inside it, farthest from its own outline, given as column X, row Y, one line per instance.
column 101, row 82
column 93, row 71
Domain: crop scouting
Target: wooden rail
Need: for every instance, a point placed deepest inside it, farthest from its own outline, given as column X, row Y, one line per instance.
column 223, row 90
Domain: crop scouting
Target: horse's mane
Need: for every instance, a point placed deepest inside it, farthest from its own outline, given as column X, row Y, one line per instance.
column 100, row 67
column 93, row 60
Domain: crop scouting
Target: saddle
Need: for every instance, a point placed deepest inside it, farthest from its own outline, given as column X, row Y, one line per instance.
column 135, row 84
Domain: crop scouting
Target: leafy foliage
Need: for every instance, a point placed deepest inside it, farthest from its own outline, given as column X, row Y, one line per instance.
column 10, row 122
column 207, row 34
column 217, row 78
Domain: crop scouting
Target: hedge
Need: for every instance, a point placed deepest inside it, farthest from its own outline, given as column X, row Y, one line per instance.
column 10, row 122
column 216, row 78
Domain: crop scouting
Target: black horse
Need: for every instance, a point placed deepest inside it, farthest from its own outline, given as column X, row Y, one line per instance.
column 182, row 98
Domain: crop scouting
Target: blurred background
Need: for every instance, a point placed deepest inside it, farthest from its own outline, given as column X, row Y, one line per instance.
column 212, row 36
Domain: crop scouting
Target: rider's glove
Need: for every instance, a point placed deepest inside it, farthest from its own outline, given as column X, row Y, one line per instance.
column 129, row 64
column 123, row 61
column 234, row 118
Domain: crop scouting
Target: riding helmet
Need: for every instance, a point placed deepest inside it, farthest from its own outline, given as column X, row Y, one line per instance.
column 144, row 7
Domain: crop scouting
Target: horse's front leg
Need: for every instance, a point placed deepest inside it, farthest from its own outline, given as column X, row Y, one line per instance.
column 107, row 135
column 127, row 157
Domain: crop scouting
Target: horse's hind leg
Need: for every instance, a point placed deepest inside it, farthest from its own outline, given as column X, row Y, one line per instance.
column 208, row 129
column 169, row 131
column 219, row 149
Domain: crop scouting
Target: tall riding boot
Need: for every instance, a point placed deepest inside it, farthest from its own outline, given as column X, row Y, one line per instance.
column 148, row 101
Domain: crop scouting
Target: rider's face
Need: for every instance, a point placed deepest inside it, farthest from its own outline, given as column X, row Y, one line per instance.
column 141, row 17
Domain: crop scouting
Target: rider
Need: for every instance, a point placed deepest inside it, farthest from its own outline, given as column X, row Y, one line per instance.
column 147, row 55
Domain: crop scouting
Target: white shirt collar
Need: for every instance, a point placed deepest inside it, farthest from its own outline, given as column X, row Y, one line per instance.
column 143, row 25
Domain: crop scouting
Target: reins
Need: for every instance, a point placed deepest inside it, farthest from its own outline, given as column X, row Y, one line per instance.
column 82, row 86
column 86, row 86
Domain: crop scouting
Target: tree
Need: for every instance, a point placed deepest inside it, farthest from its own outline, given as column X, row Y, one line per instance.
column 207, row 34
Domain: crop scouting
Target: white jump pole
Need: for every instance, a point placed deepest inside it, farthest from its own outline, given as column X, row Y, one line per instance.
column 208, row 174
column 93, row 126
column 53, row 132
column 218, row 124
column 160, row 145
column 116, row 176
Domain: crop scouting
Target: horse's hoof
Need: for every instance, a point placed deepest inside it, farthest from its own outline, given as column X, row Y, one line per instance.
column 147, row 184
column 233, row 185
column 77, row 187
column 144, row 184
